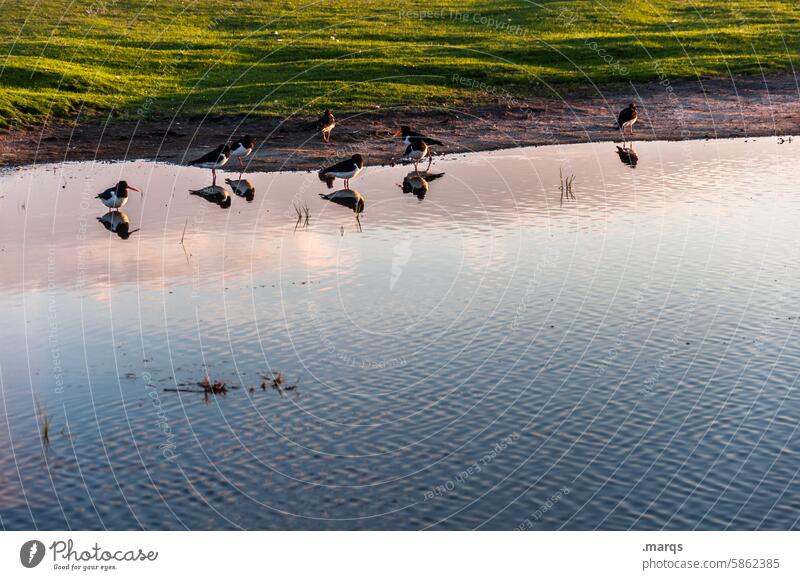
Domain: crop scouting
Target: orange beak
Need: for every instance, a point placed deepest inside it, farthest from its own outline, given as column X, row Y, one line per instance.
column 134, row 189
column 397, row 133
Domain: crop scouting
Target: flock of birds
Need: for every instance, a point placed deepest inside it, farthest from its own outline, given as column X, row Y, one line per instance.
column 417, row 148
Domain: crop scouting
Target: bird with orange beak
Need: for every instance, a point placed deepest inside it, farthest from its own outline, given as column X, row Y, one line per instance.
column 117, row 196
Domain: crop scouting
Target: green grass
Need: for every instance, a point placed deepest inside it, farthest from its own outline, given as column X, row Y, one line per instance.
column 160, row 58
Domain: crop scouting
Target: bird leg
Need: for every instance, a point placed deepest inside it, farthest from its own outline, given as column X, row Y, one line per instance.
column 430, row 160
column 214, row 174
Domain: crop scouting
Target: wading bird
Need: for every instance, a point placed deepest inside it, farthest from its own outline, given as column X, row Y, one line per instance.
column 242, row 149
column 627, row 117
column 117, row 196
column 326, row 124
column 214, row 160
column 408, row 136
column 346, row 170
column 417, row 149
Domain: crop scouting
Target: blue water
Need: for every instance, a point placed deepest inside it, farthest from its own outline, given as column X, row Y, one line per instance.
column 487, row 356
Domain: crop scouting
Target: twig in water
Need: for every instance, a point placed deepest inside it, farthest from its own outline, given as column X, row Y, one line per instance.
column 292, row 387
column 275, row 382
column 43, row 419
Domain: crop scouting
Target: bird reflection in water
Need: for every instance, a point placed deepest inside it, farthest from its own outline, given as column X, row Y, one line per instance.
column 328, row 179
column 349, row 198
column 117, row 222
column 214, row 194
column 628, row 155
column 242, row 188
column 346, row 197
column 418, row 183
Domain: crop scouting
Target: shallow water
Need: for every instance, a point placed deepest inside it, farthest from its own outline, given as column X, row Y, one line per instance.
column 488, row 356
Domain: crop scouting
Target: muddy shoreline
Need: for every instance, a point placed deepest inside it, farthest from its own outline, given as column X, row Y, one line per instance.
column 671, row 110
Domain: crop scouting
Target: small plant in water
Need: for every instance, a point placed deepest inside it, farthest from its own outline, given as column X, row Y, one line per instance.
column 277, row 383
column 566, row 186
column 303, row 215
column 274, row 382
column 215, row 388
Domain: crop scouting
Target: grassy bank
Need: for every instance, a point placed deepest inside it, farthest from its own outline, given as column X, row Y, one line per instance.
column 151, row 59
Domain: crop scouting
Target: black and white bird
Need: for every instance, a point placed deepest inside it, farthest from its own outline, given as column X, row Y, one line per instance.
column 412, row 138
column 214, row 160
column 417, row 149
column 407, row 135
column 346, row 170
column 117, row 222
column 326, row 124
column 627, row 117
column 117, row 196
column 242, row 149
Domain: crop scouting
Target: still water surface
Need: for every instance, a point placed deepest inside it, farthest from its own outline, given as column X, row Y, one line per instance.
column 482, row 354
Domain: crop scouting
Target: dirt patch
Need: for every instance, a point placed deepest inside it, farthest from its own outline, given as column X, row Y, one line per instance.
column 674, row 110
